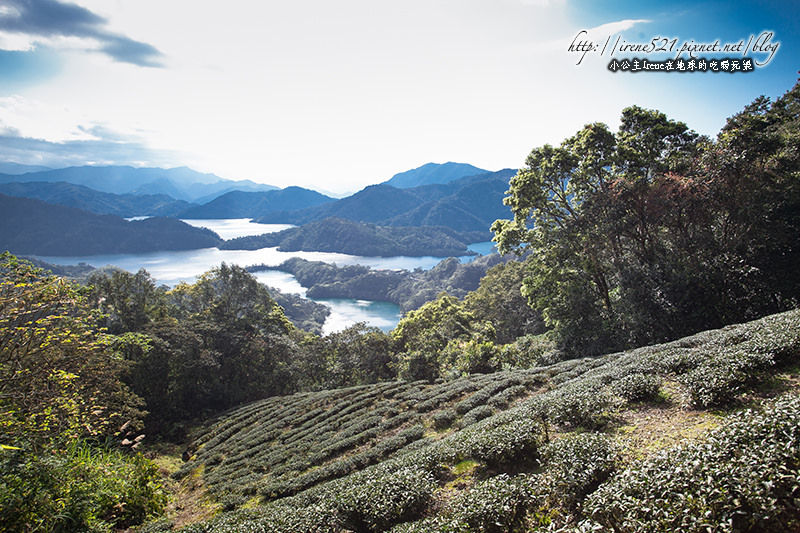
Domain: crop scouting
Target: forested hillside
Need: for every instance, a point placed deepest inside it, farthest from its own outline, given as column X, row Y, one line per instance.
column 623, row 442
column 356, row 238
column 29, row 226
column 654, row 232
column 250, row 204
column 409, row 290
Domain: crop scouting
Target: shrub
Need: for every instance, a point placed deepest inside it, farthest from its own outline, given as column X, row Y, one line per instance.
column 77, row 488
column 637, row 387
column 718, row 380
column 374, row 499
column 475, row 415
column 576, row 465
column 444, row 418
column 744, row 477
column 510, row 441
column 503, row 398
column 582, row 403
column 497, row 505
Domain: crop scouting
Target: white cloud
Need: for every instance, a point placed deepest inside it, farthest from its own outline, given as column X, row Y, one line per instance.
column 25, row 23
column 16, row 42
column 610, row 28
column 333, row 94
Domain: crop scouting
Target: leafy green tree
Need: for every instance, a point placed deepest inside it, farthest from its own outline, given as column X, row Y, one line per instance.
column 130, row 301
column 499, row 300
column 422, row 335
column 231, row 296
column 225, row 342
column 653, row 232
column 753, row 177
column 359, row 355
column 61, row 403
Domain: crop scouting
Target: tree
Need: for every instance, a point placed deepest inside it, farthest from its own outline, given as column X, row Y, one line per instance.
column 61, row 403
column 130, row 301
column 654, row 232
column 224, row 342
column 231, row 296
column 357, row 355
column 499, row 300
column 422, row 335
column 59, row 375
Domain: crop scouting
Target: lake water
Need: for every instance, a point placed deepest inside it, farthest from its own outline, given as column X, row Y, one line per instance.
column 171, row 268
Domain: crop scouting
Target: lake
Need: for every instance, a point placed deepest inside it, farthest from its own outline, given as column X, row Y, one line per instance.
column 171, row 268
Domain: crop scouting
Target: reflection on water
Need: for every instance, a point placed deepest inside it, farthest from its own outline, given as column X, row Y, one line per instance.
column 170, row 268
column 345, row 312
column 283, row 281
column 230, row 228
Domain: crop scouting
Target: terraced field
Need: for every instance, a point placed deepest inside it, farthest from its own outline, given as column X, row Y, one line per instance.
column 663, row 438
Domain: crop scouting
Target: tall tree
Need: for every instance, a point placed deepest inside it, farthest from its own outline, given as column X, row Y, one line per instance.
column 655, row 232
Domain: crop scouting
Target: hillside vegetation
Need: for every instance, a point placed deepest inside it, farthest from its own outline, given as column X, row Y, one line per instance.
column 409, row 290
column 586, row 443
column 528, row 404
column 29, row 226
column 252, row 204
column 358, row 238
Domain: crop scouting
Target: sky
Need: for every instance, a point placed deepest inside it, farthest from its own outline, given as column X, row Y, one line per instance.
column 336, row 95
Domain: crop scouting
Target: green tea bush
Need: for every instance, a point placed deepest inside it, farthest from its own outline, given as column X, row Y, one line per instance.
column 274, row 518
column 504, row 397
column 580, row 403
column 637, row 387
column 497, row 504
column 744, row 477
column 678, row 361
column 575, row 465
column 512, row 441
column 444, row 418
column 478, row 413
column 482, row 396
column 719, row 379
column 374, row 499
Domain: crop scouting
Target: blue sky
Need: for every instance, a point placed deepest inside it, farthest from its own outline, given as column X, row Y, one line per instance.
column 336, row 95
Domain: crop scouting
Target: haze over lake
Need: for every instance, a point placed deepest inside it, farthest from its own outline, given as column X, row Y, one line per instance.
column 171, row 268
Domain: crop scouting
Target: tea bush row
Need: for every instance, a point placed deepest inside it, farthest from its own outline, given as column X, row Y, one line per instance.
column 744, row 477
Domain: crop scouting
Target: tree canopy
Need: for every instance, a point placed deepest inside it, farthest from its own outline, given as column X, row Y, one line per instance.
column 655, row 232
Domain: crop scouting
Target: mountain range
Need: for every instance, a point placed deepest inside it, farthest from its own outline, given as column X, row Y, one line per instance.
column 181, row 183
column 433, row 173
column 102, row 203
column 245, row 204
column 464, row 204
column 72, row 222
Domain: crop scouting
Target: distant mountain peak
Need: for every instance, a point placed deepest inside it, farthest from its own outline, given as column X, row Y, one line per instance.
column 181, row 183
column 433, row 173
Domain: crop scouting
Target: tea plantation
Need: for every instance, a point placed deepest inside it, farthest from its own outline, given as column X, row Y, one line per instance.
column 699, row 434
